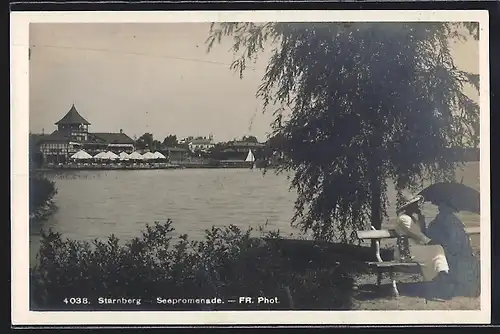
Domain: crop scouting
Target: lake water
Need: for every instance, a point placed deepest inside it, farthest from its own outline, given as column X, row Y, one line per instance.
column 95, row 204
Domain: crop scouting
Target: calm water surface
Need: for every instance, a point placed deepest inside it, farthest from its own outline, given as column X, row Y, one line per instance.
column 95, row 204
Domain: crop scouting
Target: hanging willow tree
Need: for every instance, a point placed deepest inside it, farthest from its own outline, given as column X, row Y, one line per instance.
column 367, row 103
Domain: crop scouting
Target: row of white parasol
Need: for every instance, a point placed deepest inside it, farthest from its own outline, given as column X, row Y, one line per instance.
column 82, row 155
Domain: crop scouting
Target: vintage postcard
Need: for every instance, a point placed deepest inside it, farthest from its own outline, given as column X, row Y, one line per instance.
column 250, row 168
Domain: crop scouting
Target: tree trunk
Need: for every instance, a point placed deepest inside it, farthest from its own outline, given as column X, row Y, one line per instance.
column 376, row 207
column 375, row 175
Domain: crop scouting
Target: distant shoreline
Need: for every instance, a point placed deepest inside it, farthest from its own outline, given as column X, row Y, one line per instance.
column 96, row 168
column 239, row 165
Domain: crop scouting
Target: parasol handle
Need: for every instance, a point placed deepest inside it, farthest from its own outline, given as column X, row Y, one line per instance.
column 421, row 221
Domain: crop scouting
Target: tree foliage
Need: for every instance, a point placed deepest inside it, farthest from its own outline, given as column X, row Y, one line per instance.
column 144, row 141
column 41, row 192
column 170, row 141
column 250, row 139
column 367, row 103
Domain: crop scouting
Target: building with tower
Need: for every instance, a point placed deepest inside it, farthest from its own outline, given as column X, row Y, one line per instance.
column 73, row 126
column 73, row 134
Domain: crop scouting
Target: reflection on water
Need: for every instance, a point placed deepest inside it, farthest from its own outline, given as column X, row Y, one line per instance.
column 95, row 204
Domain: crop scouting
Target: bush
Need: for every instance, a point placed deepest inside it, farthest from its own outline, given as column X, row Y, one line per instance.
column 227, row 264
column 42, row 191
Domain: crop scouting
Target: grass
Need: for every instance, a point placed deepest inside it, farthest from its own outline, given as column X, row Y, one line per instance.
column 416, row 303
column 411, row 288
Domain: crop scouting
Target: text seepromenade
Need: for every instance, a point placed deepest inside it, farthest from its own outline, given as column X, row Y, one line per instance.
column 188, row 301
column 238, row 300
column 115, row 301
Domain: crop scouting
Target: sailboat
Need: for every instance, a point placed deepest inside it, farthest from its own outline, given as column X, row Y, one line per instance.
column 250, row 158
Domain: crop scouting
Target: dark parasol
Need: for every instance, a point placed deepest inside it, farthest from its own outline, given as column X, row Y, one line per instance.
column 458, row 195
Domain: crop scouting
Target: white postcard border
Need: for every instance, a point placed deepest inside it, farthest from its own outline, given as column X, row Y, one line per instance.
column 19, row 176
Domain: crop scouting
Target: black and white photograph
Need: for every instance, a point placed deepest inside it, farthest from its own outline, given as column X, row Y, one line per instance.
column 324, row 163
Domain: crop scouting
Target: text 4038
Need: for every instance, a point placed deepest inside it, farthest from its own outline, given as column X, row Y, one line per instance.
column 76, row 301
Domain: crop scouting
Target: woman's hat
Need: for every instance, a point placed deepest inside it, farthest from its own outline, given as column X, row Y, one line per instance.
column 406, row 203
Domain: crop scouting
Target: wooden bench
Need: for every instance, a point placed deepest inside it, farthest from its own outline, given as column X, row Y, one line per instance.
column 380, row 266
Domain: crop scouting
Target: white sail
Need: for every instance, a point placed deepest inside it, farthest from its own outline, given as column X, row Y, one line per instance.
column 250, row 157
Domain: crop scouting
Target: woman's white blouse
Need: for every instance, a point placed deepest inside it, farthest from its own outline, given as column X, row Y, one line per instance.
column 406, row 226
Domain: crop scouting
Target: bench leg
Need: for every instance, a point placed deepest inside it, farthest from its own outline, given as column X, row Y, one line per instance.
column 395, row 291
column 379, row 278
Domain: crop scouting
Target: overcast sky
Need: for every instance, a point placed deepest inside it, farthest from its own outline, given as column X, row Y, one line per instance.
column 153, row 78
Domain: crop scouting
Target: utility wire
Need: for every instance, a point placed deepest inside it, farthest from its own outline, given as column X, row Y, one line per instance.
column 30, row 52
column 131, row 53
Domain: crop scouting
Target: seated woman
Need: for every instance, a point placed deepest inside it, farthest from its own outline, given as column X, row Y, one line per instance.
column 448, row 231
column 432, row 258
column 447, row 260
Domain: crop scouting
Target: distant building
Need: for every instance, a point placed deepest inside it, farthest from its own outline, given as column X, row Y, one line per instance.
column 109, row 141
column 244, row 146
column 201, row 144
column 72, row 135
column 238, row 150
column 176, row 154
column 35, row 156
column 186, row 140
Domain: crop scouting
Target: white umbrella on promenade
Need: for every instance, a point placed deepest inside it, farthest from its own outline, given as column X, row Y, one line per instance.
column 135, row 156
column 101, row 156
column 112, row 156
column 148, row 156
column 124, row 156
column 81, row 155
column 158, row 155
